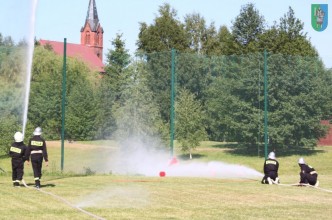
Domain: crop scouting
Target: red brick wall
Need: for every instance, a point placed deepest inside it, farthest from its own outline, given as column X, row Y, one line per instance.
column 327, row 141
column 95, row 39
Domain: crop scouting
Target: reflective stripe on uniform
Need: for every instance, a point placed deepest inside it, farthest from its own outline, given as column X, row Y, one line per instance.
column 37, row 143
column 36, row 152
column 271, row 162
column 16, row 150
column 313, row 172
column 37, row 178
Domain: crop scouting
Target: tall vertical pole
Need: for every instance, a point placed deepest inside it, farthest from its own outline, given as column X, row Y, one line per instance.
column 172, row 103
column 63, row 101
column 266, row 140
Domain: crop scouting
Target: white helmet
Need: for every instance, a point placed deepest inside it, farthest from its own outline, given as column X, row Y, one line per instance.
column 18, row 136
column 38, row 131
column 272, row 155
column 301, row 161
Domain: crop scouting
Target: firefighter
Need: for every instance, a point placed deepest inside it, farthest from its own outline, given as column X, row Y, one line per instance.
column 271, row 166
column 308, row 174
column 37, row 151
column 17, row 153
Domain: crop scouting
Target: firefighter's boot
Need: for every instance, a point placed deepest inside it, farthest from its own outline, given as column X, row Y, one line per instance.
column 37, row 183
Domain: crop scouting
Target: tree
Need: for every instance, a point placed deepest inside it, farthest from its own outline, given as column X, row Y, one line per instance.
column 11, row 92
column 195, row 27
column 118, row 60
column 248, row 25
column 81, row 110
column 165, row 33
column 110, row 87
column 235, row 103
column 227, row 44
column 291, row 25
column 46, row 97
column 190, row 129
column 298, row 98
column 45, row 92
column 287, row 37
column 138, row 115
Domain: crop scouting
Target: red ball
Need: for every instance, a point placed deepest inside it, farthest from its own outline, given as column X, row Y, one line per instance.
column 162, row 173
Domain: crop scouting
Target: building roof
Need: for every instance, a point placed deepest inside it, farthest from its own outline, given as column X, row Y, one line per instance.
column 82, row 52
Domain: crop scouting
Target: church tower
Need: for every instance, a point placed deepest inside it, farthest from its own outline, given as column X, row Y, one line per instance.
column 92, row 32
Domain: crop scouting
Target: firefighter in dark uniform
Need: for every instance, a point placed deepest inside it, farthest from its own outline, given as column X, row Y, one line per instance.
column 17, row 153
column 308, row 174
column 37, row 152
column 271, row 167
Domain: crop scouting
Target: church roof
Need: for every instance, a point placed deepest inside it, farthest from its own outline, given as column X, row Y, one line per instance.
column 85, row 53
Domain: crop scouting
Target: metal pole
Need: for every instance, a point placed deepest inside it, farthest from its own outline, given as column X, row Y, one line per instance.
column 63, row 102
column 172, row 103
column 265, row 105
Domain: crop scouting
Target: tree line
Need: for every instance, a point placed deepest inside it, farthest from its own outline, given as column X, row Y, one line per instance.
column 219, row 85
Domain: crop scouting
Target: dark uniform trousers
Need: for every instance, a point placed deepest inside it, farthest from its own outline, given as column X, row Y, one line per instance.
column 37, row 162
column 17, row 168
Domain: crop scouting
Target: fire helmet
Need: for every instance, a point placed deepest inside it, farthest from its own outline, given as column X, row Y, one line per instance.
column 301, row 161
column 272, row 155
column 38, row 131
column 18, row 136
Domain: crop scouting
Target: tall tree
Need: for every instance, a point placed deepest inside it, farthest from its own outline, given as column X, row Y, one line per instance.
column 203, row 39
column 118, row 60
column 248, row 25
column 165, row 33
column 195, row 27
column 190, row 129
column 138, row 115
column 287, row 37
column 111, row 85
column 81, row 109
column 227, row 43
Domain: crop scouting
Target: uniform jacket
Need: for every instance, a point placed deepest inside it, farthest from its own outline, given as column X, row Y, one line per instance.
column 37, row 144
column 307, row 169
column 271, row 165
column 18, row 150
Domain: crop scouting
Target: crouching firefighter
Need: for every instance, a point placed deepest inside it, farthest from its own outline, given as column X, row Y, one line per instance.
column 37, row 152
column 271, row 167
column 17, row 153
column 308, row 174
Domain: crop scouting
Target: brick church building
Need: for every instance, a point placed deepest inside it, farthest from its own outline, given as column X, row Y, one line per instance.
column 90, row 50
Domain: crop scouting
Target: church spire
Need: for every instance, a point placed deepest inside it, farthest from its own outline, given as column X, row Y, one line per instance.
column 92, row 15
column 92, row 32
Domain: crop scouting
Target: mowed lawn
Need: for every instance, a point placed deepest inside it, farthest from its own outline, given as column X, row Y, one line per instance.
column 111, row 196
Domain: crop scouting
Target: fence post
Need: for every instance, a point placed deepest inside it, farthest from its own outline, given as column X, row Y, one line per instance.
column 63, row 101
column 266, row 139
column 172, row 103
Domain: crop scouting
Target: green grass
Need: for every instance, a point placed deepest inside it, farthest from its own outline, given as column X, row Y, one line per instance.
column 139, row 197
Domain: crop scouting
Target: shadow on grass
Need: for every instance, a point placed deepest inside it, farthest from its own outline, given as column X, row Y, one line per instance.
column 42, row 185
column 185, row 157
column 254, row 150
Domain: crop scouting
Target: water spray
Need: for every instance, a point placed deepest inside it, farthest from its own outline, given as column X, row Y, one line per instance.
column 30, row 42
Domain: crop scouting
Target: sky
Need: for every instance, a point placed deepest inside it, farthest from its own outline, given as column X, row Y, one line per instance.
column 59, row 19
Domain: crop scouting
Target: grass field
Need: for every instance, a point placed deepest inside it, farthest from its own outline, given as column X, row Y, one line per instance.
column 112, row 196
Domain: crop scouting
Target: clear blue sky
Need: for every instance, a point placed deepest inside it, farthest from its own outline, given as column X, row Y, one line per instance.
column 59, row 19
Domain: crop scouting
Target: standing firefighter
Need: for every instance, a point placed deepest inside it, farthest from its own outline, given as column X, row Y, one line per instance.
column 308, row 174
column 271, row 166
column 37, row 151
column 17, row 153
